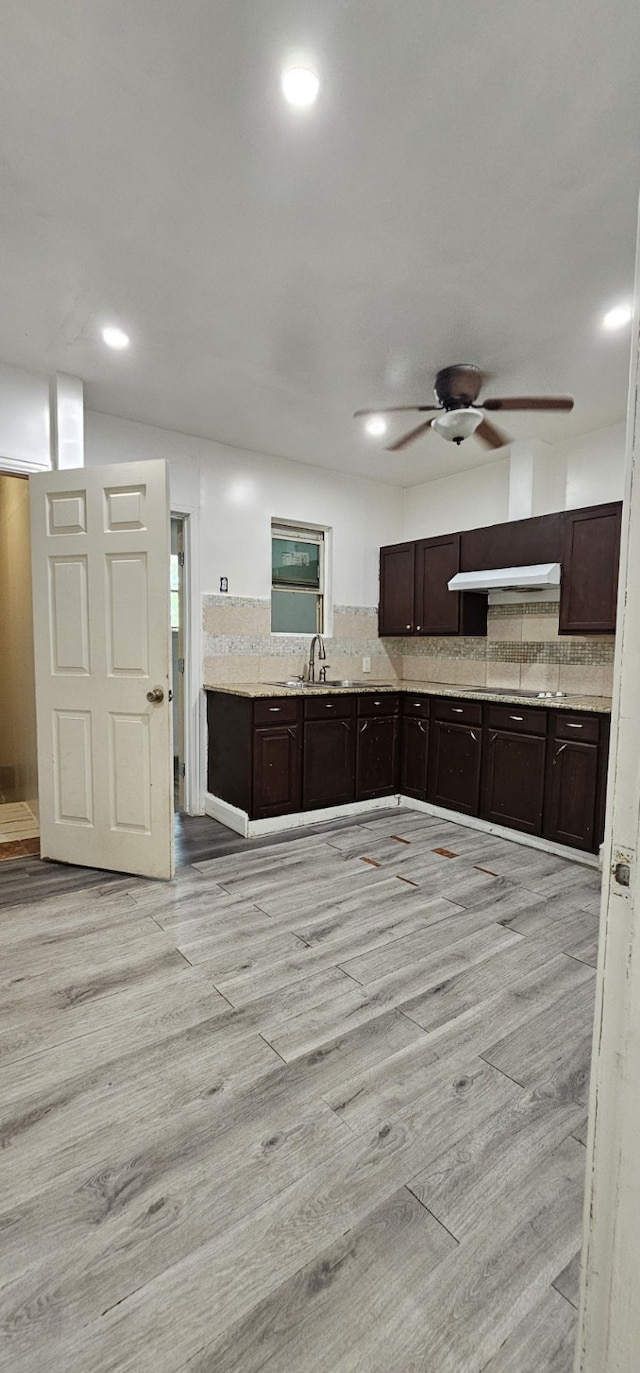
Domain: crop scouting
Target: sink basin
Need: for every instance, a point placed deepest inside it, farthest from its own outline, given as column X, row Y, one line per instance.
column 353, row 682
column 343, row 683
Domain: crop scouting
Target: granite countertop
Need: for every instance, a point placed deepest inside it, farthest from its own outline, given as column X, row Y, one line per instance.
column 259, row 690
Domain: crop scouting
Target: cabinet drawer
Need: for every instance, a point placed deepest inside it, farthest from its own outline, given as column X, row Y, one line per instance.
column 328, row 707
column 280, row 710
column 458, row 712
column 583, row 729
column 518, row 720
column 383, row 704
column 416, row 705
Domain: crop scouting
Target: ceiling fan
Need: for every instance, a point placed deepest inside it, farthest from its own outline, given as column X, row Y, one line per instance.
column 458, row 413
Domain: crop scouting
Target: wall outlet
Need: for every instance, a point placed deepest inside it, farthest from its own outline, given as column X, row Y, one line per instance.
column 366, row 665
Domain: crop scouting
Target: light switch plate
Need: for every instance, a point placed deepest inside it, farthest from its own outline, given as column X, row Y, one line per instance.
column 366, row 664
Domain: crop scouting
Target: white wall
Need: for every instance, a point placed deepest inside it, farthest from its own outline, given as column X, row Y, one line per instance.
column 583, row 471
column 595, row 467
column 464, row 500
column 24, row 419
column 238, row 494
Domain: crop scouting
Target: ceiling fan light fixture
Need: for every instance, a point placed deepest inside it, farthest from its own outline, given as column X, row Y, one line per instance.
column 376, row 426
column 457, row 425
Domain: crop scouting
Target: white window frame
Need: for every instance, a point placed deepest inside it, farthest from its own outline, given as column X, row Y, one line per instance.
column 309, row 533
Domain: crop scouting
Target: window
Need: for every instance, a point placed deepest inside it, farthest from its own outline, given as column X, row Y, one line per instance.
column 297, row 580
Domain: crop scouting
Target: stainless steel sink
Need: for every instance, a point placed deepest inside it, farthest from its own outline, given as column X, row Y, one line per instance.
column 339, row 684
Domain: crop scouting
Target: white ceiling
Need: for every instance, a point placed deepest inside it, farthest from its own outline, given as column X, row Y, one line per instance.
column 464, row 190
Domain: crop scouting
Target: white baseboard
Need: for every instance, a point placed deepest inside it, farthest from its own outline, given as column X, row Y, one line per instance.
column 531, row 841
column 230, row 816
column 239, row 821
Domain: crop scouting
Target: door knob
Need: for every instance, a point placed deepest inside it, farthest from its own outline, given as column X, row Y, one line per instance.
column 155, row 696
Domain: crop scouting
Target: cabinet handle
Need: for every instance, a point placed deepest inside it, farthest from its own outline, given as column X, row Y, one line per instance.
column 417, row 704
column 421, row 726
column 559, row 751
column 520, row 717
column 345, row 724
column 418, row 626
column 493, row 736
column 329, row 705
column 275, row 709
column 379, row 703
column 458, row 710
column 569, row 725
column 474, row 737
column 291, row 732
column 363, row 727
column 407, row 626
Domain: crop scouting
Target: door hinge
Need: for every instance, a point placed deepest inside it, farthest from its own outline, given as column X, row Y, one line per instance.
column 183, row 769
column 181, row 558
column 180, row 664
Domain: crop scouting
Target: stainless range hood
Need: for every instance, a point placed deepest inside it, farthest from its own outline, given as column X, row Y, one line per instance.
column 533, row 578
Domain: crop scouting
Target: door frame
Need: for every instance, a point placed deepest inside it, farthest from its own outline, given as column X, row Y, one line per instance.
column 609, row 1321
column 195, row 725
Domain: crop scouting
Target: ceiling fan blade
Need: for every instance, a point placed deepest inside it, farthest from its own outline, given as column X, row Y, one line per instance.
column 393, row 410
column 408, row 438
column 527, row 403
column 491, row 435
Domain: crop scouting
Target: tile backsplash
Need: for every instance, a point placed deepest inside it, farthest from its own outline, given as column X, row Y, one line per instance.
column 239, row 645
column 522, row 649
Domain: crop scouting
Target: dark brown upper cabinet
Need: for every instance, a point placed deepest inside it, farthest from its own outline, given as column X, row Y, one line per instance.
column 590, row 561
column 396, row 612
column 414, row 592
column 437, row 609
column 518, row 543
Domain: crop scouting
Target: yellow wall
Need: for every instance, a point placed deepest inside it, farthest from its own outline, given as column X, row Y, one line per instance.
column 17, row 689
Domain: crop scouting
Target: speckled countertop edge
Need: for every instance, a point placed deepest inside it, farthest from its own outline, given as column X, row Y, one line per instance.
column 258, row 690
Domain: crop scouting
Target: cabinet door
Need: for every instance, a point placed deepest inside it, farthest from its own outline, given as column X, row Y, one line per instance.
column 377, row 757
column 514, row 544
column 276, row 771
column 513, row 782
column 589, row 586
column 396, row 612
column 437, row 608
column 329, row 763
column 572, row 780
column 413, row 767
column 453, row 778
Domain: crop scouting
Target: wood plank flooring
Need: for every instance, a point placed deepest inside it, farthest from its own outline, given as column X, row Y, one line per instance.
column 317, row 1106
column 19, row 831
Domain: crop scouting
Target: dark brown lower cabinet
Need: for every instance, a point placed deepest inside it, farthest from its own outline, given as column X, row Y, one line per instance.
column 455, row 755
column 277, row 773
column 513, row 784
column 377, row 757
column 524, row 767
column 572, row 794
column 413, row 769
column 328, row 773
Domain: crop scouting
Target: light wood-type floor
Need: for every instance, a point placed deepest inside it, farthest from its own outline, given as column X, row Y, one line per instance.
column 19, row 830
column 317, row 1106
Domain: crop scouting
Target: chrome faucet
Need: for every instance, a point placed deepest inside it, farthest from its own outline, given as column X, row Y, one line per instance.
column 322, row 653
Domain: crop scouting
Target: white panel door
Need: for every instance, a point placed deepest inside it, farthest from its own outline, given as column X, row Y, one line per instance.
column 100, row 553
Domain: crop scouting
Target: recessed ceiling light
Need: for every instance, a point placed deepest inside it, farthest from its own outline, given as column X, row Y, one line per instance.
column 300, row 86
column 115, row 338
column 376, row 426
column 618, row 317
